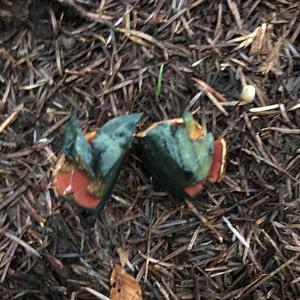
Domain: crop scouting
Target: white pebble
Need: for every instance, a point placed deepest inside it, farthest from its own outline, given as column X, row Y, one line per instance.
column 248, row 93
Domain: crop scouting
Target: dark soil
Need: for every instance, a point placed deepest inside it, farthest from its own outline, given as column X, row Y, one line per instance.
column 100, row 59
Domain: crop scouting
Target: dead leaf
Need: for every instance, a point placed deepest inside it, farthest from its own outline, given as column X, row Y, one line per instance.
column 123, row 255
column 272, row 61
column 124, row 286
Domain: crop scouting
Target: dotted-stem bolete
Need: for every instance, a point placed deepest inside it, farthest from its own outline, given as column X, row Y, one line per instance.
column 91, row 163
column 181, row 156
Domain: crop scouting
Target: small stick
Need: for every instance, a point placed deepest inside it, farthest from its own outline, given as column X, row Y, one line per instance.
column 283, row 130
column 264, row 108
column 11, row 117
column 253, row 287
column 204, row 220
column 215, row 101
column 206, row 88
column 236, row 233
column 96, row 294
column 22, row 243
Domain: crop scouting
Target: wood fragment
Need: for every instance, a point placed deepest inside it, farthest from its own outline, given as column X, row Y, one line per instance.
column 123, row 255
column 235, row 11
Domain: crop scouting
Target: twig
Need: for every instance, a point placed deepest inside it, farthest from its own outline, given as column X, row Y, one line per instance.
column 96, row 294
column 252, row 287
column 282, row 130
column 259, row 158
column 204, row 220
column 206, row 88
column 10, row 118
column 91, row 16
column 22, row 243
column 236, row 233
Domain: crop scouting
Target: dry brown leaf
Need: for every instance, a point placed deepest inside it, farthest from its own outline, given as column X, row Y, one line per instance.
column 124, row 286
column 123, row 255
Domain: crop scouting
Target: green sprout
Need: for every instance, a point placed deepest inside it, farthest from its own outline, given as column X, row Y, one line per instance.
column 159, row 79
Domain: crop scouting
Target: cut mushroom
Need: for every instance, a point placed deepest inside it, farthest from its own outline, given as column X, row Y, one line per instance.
column 181, row 156
column 91, row 163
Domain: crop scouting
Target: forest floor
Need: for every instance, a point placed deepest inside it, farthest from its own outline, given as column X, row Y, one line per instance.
column 99, row 59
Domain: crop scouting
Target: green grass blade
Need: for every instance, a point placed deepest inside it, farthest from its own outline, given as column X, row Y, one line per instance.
column 159, row 79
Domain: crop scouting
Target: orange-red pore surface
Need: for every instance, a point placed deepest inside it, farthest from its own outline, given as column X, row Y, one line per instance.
column 71, row 181
column 68, row 180
column 216, row 171
column 217, row 168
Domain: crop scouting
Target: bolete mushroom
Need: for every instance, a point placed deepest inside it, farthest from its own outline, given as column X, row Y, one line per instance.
column 91, row 163
column 182, row 156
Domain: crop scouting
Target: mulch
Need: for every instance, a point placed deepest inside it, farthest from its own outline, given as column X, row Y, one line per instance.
column 240, row 239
